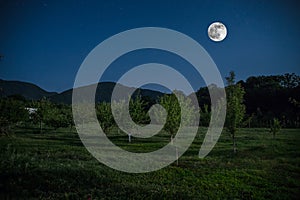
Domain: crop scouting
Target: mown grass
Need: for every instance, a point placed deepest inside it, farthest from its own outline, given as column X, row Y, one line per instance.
column 55, row 165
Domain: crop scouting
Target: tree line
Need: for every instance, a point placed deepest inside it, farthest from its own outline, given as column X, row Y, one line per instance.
column 265, row 98
column 262, row 99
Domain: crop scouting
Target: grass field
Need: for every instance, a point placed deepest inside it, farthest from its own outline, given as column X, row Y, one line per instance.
column 55, row 165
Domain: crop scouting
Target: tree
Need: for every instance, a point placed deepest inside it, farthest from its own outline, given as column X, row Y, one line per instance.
column 130, row 113
column 12, row 112
column 272, row 94
column 235, row 107
column 40, row 115
column 294, row 102
column 105, row 116
column 170, row 103
column 289, row 80
column 4, row 126
column 121, row 117
column 205, row 115
column 248, row 120
column 173, row 108
column 67, row 112
column 55, row 117
column 275, row 127
column 81, row 114
column 175, row 117
column 137, row 110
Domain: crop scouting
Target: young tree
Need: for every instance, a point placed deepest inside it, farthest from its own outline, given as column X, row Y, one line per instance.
column 248, row 120
column 173, row 108
column 275, row 127
column 105, row 116
column 235, row 107
column 121, row 116
column 136, row 115
column 174, row 116
column 40, row 115
column 170, row 103
column 137, row 110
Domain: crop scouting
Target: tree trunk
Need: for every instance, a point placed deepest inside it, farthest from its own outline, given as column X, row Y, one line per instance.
column 129, row 137
column 41, row 126
column 177, row 156
column 234, row 143
column 176, row 149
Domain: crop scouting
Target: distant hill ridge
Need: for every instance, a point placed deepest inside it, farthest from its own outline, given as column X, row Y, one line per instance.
column 33, row 92
column 28, row 90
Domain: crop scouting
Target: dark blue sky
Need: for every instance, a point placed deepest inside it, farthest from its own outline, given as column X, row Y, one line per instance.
column 45, row 42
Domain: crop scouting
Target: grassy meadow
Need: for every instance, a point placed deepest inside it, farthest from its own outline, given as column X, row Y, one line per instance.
column 55, row 165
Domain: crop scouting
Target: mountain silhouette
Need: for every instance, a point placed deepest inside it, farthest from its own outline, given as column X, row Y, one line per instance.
column 103, row 93
column 28, row 90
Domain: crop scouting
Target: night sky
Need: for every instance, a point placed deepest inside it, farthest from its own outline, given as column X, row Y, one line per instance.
column 45, row 42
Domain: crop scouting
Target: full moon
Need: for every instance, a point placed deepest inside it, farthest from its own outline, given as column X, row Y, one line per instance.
column 217, row 31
